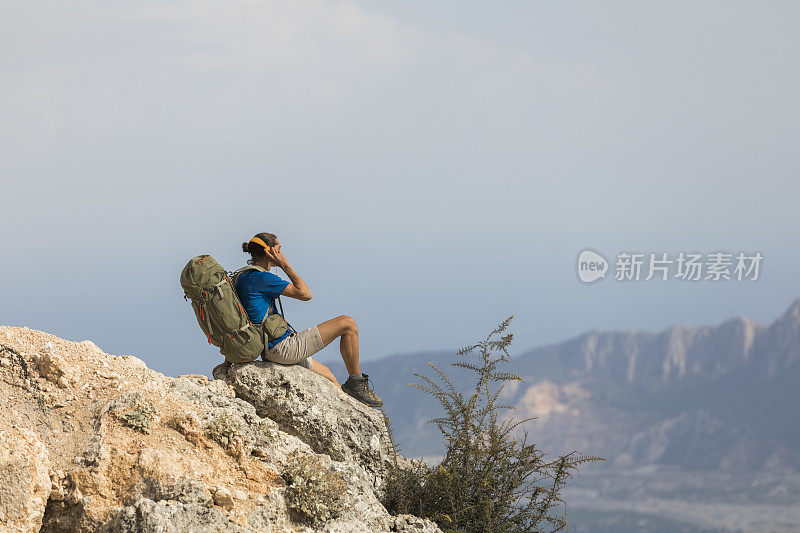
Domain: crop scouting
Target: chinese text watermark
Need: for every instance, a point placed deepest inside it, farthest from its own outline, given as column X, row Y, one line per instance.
column 685, row 266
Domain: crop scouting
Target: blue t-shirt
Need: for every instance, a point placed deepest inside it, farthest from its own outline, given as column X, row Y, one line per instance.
column 257, row 290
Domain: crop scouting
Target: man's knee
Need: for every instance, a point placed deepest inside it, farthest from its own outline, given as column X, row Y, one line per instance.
column 348, row 324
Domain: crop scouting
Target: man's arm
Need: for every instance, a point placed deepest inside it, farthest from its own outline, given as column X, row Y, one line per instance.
column 297, row 288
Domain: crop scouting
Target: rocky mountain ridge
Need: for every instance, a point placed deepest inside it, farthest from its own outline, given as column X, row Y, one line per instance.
column 678, row 353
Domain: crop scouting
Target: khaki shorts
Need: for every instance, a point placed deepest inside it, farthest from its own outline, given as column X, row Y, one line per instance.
column 296, row 349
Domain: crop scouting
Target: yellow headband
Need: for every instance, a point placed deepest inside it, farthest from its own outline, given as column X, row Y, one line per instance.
column 259, row 241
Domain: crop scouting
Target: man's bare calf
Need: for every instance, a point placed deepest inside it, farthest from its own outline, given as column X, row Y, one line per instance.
column 345, row 327
column 357, row 383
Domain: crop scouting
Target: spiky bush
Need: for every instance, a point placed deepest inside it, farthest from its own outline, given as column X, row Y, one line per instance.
column 489, row 480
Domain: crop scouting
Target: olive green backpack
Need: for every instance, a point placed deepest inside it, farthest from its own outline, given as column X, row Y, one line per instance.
column 219, row 311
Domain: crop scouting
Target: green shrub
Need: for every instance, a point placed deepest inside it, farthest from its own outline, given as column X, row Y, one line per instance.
column 140, row 417
column 489, row 480
column 223, row 428
column 312, row 490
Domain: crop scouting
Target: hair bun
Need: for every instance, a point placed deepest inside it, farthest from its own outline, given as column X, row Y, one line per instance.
column 245, row 246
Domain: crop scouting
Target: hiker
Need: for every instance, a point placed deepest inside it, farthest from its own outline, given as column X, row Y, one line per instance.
column 258, row 289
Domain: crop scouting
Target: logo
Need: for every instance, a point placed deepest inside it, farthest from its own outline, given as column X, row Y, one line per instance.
column 591, row 266
column 685, row 266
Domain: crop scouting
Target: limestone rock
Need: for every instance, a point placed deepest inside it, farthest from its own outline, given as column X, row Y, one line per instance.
column 25, row 481
column 408, row 523
column 223, row 498
column 50, row 363
column 307, row 405
column 147, row 516
column 133, row 450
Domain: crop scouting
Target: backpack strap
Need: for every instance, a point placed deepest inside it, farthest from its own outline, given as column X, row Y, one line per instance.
column 235, row 280
column 218, row 287
column 235, row 275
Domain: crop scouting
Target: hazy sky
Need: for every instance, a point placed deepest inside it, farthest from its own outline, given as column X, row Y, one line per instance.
column 430, row 167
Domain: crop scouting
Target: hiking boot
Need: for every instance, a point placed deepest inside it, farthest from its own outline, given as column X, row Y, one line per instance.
column 221, row 371
column 361, row 390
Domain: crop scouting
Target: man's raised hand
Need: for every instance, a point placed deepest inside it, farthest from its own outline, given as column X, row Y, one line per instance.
column 276, row 257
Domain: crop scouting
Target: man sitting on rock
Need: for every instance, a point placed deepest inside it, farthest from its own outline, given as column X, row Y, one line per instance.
column 258, row 290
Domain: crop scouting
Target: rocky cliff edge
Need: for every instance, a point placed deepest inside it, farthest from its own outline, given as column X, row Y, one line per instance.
column 96, row 442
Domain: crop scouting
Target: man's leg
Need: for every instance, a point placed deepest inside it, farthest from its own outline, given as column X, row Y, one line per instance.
column 323, row 370
column 345, row 327
column 356, row 385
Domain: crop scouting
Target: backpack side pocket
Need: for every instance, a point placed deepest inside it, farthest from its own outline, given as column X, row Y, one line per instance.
column 275, row 326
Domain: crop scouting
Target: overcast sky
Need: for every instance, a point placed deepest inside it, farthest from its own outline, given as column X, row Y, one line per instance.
column 430, row 167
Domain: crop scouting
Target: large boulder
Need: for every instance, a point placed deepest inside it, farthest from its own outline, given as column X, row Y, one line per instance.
column 24, row 479
column 308, row 406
